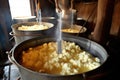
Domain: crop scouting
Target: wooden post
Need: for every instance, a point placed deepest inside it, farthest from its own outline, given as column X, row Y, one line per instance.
column 104, row 20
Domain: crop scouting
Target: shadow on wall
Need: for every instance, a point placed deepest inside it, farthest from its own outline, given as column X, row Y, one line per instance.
column 3, row 44
column 5, row 23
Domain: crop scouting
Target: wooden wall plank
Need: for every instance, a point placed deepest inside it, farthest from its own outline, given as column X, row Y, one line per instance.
column 115, row 27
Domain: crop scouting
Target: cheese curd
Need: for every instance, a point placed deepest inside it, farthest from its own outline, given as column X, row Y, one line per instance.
column 33, row 27
column 73, row 60
column 74, row 29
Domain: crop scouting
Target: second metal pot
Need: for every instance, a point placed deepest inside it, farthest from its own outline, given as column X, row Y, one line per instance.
column 20, row 36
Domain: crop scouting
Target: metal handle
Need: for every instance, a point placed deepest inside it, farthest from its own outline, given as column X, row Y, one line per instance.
column 11, row 33
column 10, row 57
